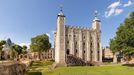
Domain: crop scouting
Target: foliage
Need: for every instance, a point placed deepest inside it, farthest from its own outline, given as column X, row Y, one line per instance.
column 40, row 43
column 41, row 67
column 15, row 50
column 124, row 39
column 34, row 73
column 2, row 42
column 24, row 49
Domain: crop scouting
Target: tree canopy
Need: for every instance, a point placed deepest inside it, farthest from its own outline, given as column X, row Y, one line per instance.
column 2, row 42
column 124, row 39
column 40, row 43
column 24, row 49
column 17, row 48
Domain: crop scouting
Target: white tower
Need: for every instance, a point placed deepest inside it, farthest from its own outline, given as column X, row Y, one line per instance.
column 97, row 50
column 96, row 23
column 60, row 39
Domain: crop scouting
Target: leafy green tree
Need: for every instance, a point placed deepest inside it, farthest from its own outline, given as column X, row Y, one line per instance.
column 2, row 42
column 15, row 51
column 24, row 49
column 124, row 39
column 39, row 44
column 113, row 46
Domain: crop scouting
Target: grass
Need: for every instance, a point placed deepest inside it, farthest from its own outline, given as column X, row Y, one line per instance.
column 42, row 63
column 39, row 67
column 95, row 70
column 100, row 70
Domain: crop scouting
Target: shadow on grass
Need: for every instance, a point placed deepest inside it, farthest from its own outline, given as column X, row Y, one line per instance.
column 129, row 65
column 34, row 73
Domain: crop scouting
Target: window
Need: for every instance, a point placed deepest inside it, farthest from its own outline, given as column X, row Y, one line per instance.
column 67, row 42
column 84, row 37
column 84, row 43
column 67, row 52
column 98, row 51
column 76, row 43
column 76, row 50
column 91, row 51
column 84, row 51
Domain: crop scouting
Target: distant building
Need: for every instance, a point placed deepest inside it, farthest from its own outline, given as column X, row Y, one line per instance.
column 49, row 54
column 107, row 53
column 7, row 49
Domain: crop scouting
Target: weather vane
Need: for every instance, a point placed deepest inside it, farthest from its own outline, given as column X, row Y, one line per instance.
column 96, row 13
column 61, row 7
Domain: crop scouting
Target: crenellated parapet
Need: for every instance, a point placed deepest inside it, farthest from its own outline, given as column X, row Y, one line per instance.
column 77, row 27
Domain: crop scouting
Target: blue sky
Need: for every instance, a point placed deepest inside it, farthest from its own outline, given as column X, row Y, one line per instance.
column 22, row 19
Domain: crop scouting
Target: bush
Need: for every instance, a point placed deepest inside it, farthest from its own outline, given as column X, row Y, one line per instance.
column 129, row 65
column 34, row 73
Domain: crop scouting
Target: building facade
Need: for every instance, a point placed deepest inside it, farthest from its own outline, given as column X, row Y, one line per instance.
column 107, row 53
column 81, row 42
column 49, row 55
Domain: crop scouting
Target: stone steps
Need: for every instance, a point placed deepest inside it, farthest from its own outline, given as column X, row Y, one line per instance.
column 74, row 61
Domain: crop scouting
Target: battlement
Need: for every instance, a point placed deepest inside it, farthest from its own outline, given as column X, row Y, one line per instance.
column 77, row 27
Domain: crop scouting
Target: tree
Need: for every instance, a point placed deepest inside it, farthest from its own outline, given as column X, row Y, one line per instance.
column 40, row 43
column 124, row 39
column 15, row 51
column 24, row 49
column 2, row 42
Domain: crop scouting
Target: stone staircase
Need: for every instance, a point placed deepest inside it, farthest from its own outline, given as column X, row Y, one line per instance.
column 72, row 60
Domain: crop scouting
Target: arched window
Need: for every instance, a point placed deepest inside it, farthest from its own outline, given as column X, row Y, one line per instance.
column 84, row 51
column 67, row 52
column 83, row 43
column 76, row 50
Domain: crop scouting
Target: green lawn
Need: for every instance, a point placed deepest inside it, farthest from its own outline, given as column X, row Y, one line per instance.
column 100, row 70
column 94, row 70
column 42, row 63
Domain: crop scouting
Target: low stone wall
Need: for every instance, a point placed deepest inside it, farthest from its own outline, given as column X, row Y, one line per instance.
column 12, row 69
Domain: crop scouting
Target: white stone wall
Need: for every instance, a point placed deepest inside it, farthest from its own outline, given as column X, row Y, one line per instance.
column 81, row 42
column 79, row 38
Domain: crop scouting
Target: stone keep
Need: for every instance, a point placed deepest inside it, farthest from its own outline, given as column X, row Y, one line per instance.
column 84, row 43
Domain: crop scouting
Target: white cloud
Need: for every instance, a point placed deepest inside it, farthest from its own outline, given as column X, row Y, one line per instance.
column 51, row 39
column 27, row 44
column 116, row 8
column 114, row 5
column 128, row 4
column 113, row 9
column 48, row 35
column 109, row 13
column 118, row 11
